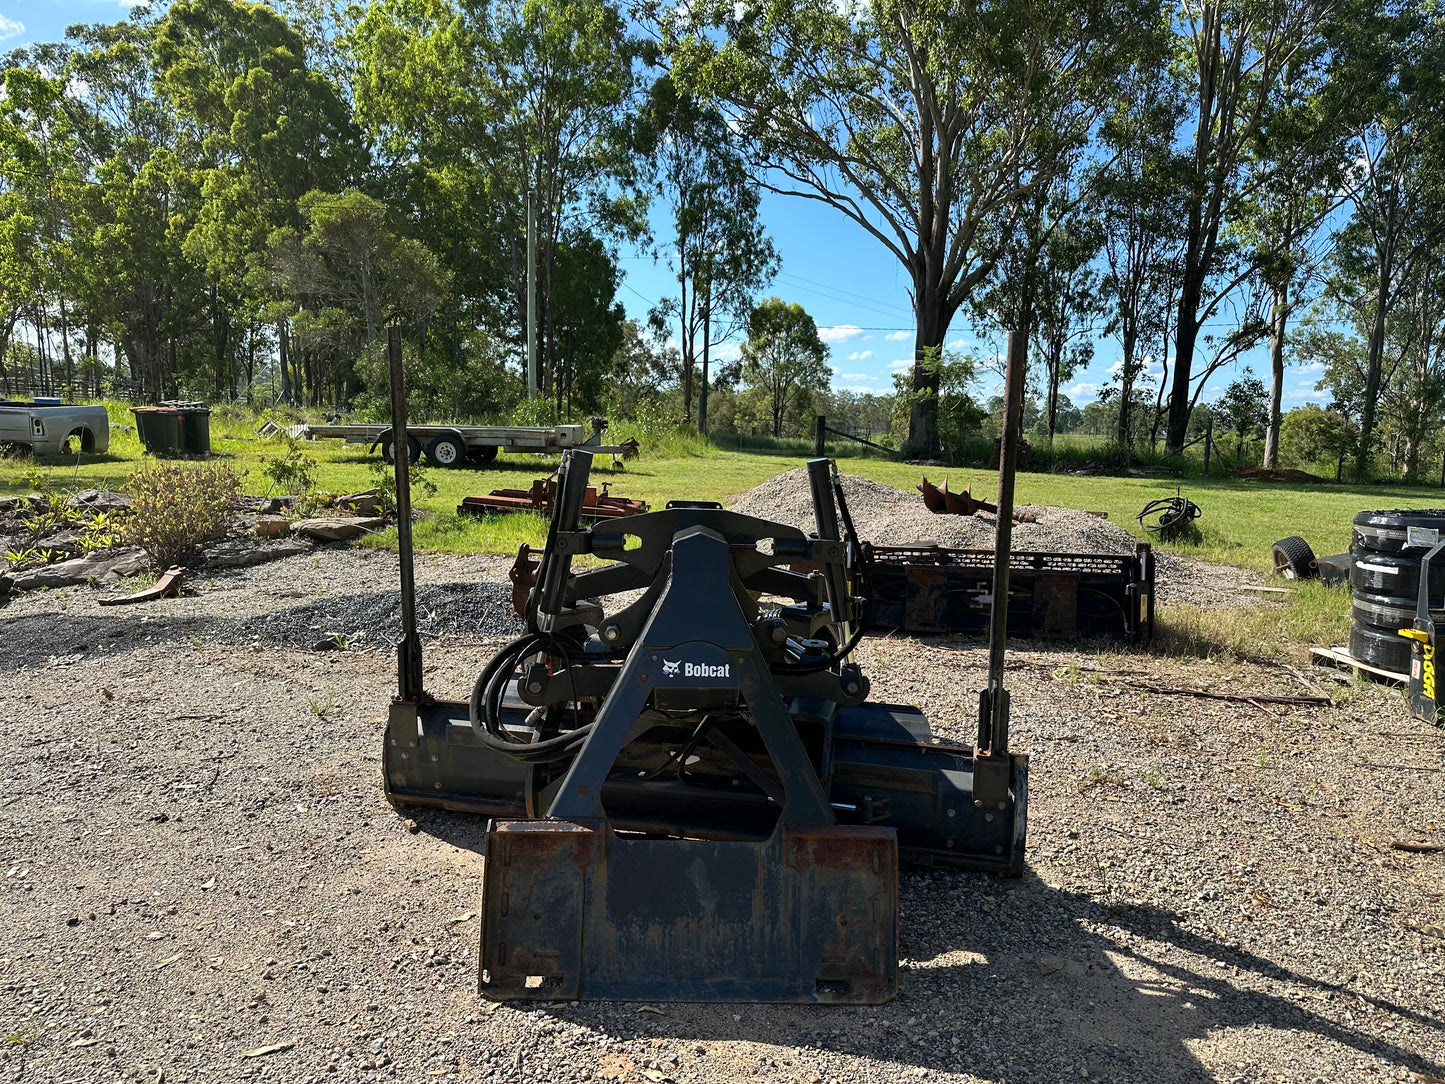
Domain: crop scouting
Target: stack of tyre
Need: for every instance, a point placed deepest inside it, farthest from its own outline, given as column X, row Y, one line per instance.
column 1385, row 579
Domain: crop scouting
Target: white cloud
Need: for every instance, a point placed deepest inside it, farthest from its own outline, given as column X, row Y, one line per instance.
column 897, row 365
column 1313, row 367
column 864, row 378
column 898, row 337
column 10, row 28
column 958, row 344
column 1081, row 390
column 860, row 355
column 861, row 389
column 840, row 333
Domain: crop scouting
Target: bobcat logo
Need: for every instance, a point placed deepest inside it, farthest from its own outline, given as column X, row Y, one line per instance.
column 670, row 668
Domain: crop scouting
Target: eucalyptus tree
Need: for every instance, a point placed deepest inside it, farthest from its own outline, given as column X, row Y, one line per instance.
column 719, row 251
column 1138, row 205
column 483, row 102
column 929, row 124
column 1395, row 188
column 1242, row 62
column 1045, row 281
column 784, row 362
column 267, row 128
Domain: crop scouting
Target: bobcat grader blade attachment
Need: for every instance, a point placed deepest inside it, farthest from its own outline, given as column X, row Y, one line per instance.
column 574, row 911
column 691, row 796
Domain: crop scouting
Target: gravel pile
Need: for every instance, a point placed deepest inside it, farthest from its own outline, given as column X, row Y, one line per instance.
column 890, row 517
column 479, row 610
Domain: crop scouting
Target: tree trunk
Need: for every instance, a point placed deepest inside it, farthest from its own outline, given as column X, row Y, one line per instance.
column 928, row 343
column 1053, row 404
column 1186, row 335
column 283, row 356
column 1126, row 387
column 1374, row 360
column 706, row 344
column 1278, row 315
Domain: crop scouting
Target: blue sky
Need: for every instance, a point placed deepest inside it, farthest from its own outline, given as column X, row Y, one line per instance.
column 855, row 290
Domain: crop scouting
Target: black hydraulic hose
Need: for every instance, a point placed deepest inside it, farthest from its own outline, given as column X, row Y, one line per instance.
column 823, row 662
column 484, row 708
column 1172, row 512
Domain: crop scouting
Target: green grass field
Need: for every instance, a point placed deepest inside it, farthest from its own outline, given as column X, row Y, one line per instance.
column 1241, row 519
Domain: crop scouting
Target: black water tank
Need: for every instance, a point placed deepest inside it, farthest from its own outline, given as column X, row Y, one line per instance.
column 1387, row 547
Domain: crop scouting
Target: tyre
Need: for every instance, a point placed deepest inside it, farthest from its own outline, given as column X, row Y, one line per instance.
column 1390, row 532
column 1293, row 558
column 1385, row 614
column 1395, row 576
column 1387, row 650
column 412, row 446
column 446, row 451
column 482, row 454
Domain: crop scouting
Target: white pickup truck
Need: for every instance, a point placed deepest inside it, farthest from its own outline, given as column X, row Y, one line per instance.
column 50, row 427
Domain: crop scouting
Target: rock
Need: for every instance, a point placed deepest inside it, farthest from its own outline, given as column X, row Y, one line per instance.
column 243, row 552
column 99, row 500
column 9, row 504
column 62, row 542
column 366, row 504
column 271, row 505
column 38, row 503
column 336, row 528
column 1049, row 964
column 121, row 561
column 272, row 526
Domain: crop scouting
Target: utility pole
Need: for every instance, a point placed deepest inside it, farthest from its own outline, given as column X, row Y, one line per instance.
column 532, row 295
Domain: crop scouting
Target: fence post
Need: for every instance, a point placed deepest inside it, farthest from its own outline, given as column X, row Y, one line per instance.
column 820, row 429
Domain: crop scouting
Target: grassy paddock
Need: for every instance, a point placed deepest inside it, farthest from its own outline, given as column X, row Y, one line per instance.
column 1241, row 519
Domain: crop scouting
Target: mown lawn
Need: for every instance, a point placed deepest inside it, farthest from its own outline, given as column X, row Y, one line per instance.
column 1241, row 519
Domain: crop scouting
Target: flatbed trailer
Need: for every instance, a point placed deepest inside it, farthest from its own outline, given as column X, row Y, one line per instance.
column 454, row 445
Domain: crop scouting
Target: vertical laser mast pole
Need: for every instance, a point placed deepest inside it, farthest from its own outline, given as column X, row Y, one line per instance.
column 409, row 650
column 991, row 761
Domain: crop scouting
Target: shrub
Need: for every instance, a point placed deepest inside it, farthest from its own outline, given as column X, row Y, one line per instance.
column 294, row 472
column 175, row 510
column 383, row 481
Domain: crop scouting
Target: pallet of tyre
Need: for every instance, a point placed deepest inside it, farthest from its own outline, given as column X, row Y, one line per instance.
column 1385, row 581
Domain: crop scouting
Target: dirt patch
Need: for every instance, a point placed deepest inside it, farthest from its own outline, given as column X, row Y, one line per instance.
column 200, row 866
column 890, row 517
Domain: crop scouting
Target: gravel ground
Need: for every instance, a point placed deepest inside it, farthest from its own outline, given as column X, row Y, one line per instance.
column 890, row 517
column 202, row 880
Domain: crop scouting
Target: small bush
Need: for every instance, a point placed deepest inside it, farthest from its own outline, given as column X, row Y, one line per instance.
column 383, row 481
column 294, row 472
column 175, row 510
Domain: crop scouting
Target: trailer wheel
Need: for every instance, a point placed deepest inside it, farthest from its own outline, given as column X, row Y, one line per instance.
column 482, row 454
column 413, row 449
column 446, row 451
column 1293, row 558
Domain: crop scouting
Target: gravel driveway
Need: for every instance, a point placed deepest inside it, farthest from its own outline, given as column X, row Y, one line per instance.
column 202, row 881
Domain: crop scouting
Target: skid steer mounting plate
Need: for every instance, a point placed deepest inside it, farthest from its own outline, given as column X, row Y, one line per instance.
column 576, row 911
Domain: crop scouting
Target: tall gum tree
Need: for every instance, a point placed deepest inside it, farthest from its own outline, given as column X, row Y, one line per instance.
column 927, row 123
column 1238, row 59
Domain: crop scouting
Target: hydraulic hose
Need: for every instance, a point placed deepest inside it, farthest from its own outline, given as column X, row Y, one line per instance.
column 484, row 708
